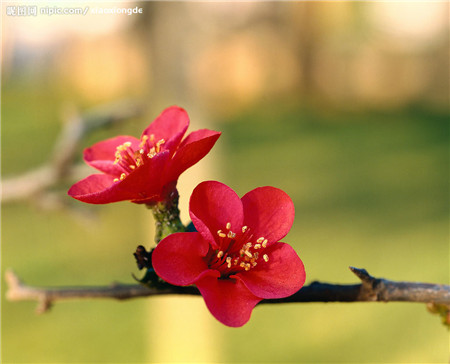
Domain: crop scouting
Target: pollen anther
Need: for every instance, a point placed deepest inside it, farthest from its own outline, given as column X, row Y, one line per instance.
column 260, row 240
column 266, row 258
column 143, row 141
column 231, row 235
column 152, row 153
column 221, row 234
column 228, row 225
column 158, row 145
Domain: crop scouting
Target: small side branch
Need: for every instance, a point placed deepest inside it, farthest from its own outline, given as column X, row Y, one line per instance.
column 19, row 291
column 36, row 185
column 370, row 290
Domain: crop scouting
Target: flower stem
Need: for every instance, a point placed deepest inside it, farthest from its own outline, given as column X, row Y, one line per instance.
column 167, row 221
column 167, row 218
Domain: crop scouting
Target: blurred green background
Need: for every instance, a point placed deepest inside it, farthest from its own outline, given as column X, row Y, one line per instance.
column 342, row 105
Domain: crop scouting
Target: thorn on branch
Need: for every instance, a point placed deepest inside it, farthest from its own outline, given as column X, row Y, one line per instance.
column 18, row 291
column 370, row 287
column 12, row 280
column 362, row 274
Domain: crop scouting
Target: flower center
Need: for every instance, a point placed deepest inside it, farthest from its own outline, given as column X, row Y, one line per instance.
column 130, row 159
column 238, row 251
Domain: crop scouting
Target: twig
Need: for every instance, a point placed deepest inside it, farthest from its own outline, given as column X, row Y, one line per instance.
column 35, row 185
column 18, row 291
column 370, row 290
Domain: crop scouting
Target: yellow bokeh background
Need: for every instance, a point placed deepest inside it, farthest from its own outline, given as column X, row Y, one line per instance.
column 344, row 105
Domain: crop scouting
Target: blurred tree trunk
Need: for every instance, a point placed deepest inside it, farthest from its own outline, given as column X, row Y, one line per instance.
column 305, row 38
column 171, row 43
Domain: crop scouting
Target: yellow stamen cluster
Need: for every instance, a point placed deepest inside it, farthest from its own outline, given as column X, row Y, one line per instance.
column 129, row 159
column 239, row 252
column 156, row 149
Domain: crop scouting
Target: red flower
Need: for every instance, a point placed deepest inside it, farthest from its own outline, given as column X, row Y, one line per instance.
column 145, row 170
column 235, row 258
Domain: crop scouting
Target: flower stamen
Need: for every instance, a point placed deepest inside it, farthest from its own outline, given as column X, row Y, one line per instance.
column 221, row 234
column 143, row 142
column 231, row 235
column 130, row 159
column 158, row 145
column 238, row 251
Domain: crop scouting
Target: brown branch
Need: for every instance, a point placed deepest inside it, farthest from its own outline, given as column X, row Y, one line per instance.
column 19, row 291
column 370, row 290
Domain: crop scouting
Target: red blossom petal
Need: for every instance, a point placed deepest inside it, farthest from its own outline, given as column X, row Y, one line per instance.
column 141, row 185
column 145, row 182
column 269, row 212
column 102, row 154
column 212, row 206
column 228, row 300
column 153, row 180
column 170, row 125
column 192, row 149
column 97, row 189
column 178, row 258
column 282, row 276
